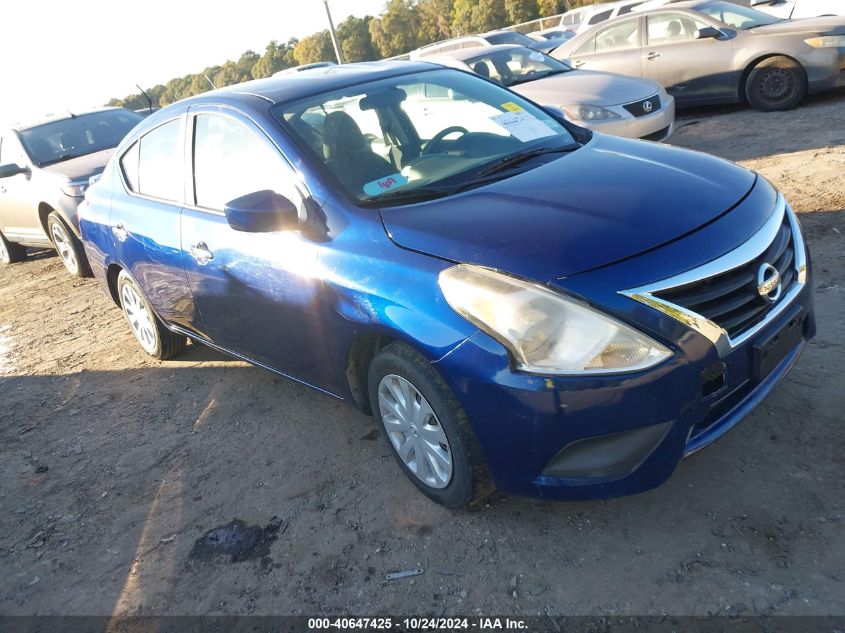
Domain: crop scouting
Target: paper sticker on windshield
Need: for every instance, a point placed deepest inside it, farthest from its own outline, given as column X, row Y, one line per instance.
column 383, row 185
column 510, row 106
column 522, row 125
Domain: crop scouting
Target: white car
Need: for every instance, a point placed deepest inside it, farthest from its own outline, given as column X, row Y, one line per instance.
column 588, row 17
column 604, row 102
column 795, row 9
column 655, row 4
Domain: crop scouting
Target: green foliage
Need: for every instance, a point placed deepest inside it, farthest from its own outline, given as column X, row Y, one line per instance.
column 395, row 32
column 403, row 26
column 355, row 41
column 315, row 48
column 521, row 11
column 435, row 20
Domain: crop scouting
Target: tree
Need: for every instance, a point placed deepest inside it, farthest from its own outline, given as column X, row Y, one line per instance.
column 274, row 59
column 396, row 31
column 488, row 15
column 554, row 7
column 520, row 10
column 314, row 48
column 355, row 40
column 434, row 20
column 462, row 17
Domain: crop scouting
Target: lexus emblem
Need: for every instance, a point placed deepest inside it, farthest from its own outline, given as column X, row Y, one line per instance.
column 769, row 283
column 648, row 106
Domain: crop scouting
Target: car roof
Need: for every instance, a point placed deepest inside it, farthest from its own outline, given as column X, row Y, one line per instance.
column 53, row 117
column 313, row 81
column 463, row 54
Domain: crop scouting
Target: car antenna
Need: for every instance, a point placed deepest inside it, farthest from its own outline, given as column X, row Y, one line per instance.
column 149, row 101
column 209, row 81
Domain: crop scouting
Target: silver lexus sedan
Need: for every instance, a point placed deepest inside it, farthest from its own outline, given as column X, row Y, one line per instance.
column 714, row 51
column 600, row 101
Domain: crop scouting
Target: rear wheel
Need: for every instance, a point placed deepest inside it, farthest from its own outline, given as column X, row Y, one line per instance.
column 10, row 252
column 426, row 428
column 155, row 339
column 776, row 83
column 68, row 246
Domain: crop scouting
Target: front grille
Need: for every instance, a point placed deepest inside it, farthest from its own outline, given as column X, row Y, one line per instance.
column 731, row 299
column 656, row 136
column 644, row 107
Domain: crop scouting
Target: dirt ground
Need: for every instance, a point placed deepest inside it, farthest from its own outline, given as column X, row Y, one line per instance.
column 122, row 478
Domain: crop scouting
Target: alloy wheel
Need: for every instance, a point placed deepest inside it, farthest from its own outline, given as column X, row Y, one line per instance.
column 140, row 319
column 414, row 431
column 64, row 247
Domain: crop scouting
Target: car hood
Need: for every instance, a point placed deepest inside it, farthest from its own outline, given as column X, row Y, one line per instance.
column 587, row 86
column 829, row 25
column 81, row 167
column 612, row 199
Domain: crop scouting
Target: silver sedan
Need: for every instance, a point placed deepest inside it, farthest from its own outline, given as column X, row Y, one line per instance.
column 713, row 51
column 605, row 102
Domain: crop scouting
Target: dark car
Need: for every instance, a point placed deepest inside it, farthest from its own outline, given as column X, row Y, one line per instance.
column 519, row 302
column 713, row 51
column 45, row 168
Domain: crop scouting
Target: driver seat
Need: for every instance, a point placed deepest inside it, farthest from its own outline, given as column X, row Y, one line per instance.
column 348, row 155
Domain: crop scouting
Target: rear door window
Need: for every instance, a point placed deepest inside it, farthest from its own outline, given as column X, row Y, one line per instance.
column 160, row 163
column 619, row 36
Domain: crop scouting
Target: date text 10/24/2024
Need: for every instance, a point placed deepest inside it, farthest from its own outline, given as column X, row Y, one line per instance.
column 418, row 624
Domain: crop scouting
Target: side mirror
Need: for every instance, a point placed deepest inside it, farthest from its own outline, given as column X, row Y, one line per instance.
column 11, row 169
column 708, row 33
column 555, row 112
column 262, row 212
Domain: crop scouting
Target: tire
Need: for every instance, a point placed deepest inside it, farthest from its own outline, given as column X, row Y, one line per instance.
column 153, row 337
column 68, row 246
column 469, row 481
column 776, row 83
column 10, row 252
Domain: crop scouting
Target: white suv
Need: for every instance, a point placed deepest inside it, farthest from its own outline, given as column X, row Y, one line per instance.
column 794, row 9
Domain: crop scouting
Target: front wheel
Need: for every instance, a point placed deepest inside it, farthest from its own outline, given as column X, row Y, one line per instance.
column 68, row 246
column 10, row 252
column 155, row 339
column 426, row 428
column 776, row 83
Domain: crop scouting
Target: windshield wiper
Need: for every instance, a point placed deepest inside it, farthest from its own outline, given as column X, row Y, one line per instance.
column 408, row 196
column 520, row 157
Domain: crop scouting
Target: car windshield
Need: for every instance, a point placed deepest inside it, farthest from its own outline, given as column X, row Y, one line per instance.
column 425, row 134
column 84, row 134
column 509, row 37
column 516, row 66
column 736, row 16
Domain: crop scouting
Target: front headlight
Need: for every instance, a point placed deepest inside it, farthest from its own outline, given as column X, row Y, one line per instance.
column 587, row 112
column 546, row 332
column 75, row 189
column 827, row 41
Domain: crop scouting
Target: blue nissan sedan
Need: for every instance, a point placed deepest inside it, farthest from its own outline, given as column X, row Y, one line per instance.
column 520, row 303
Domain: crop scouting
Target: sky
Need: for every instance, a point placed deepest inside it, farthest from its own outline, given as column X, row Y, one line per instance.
column 56, row 54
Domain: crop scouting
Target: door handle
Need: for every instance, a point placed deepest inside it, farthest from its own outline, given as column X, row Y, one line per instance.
column 201, row 253
column 578, row 63
column 120, row 232
column 652, row 55
column 2, row 189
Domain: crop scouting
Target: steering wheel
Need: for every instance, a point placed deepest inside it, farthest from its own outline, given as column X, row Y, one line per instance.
column 440, row 136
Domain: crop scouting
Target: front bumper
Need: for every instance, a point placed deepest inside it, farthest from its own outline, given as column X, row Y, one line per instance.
column 825, row 69
column 657, row 126
column 603, row 436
